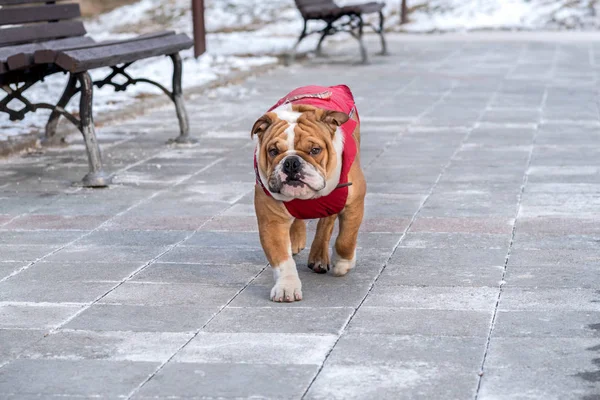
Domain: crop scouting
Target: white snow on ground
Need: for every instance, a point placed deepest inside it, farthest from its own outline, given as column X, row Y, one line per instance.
column 464, row 15
column 247, row 33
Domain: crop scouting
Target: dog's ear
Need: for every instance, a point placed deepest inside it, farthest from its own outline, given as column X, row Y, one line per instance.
column 261, row 125
column 335, row 118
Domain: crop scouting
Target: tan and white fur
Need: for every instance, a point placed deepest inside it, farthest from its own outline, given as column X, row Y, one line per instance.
column 310, row 140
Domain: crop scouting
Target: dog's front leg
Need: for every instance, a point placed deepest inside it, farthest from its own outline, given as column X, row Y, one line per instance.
column 275, row 239
column 274, row 229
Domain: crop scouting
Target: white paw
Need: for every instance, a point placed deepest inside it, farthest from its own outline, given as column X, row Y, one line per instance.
column 287, row 288
column 342, row 266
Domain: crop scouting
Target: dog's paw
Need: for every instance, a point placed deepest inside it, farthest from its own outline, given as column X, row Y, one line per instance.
column 298, row 244
column 342, row 266
column 320, row 267
column 287, row 289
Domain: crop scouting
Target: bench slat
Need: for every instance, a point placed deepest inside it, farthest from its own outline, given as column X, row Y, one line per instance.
column 119, row 53
column 15, row 2
column 25, row 57
column 41, row 32
column 51, row 12
column 49, row 54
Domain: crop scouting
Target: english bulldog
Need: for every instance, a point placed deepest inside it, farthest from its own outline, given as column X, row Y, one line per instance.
column 307, row 165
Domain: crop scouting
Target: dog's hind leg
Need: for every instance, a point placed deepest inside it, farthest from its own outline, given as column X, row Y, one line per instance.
column 344, row 252
column 298, row 236
column 318, row 259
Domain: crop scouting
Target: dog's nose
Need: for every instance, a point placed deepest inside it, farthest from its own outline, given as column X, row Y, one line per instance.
column 291, row 165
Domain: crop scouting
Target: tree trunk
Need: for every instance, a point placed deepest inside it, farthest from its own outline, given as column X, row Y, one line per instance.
column 403, row 13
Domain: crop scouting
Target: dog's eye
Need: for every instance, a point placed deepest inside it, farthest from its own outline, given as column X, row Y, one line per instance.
column 273, row 152
column 315, row 150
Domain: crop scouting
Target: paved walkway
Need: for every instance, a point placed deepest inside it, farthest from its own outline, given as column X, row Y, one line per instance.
column 478, row 261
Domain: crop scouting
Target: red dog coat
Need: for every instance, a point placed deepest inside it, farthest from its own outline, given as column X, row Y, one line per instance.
column 334, row 98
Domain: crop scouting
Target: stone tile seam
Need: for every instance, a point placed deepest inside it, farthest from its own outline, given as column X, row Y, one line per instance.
column 510, row 246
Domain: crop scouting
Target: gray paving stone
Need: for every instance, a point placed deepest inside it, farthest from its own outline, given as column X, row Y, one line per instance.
column 170, row 294
column 13, row 341
column 35, row 316
column 180, row 204
column 151, row 222
column 560, row 205
column 225, row 239
column 527, row 241
column 210, row 255
column 564, row 174
column 280, row 319
column 114, row 346
column 107, row 317
column 551, row 384
column 448, row 257
column 570, row 355
column 463, row 225
column 384, row 382
column 455, row 240
column 560, row 226
column 553, row 323
column 534, row 299
column 106, row 254
column 562, row 188
column 7, row 268
column 408, row 351
column 60, row 222
column 26, row 253
column 24, row 290
column 205, row 274
column 57, row 237
column 385, row 225
column 553, row 276
column 228, row 380
column 515, row 116
column 379, row 205
column 546, row 257
column 92, row 271
column 73, row 377
column 433, row 298
column 442, row 275
column 132, row 238
column 422, row 322
column 257, row 348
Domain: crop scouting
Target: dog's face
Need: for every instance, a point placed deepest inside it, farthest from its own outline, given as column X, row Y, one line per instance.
column 299, row 151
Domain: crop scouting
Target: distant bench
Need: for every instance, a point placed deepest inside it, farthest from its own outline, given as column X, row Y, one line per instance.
column 333, row 15
column 40, row 37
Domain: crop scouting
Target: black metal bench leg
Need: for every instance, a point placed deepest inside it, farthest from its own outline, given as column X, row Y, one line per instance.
column 96, row 177
column 326, row 32
column 292, row 56
column 359, row 37
column 383, row 43
column 177, row 97
column 54, row 119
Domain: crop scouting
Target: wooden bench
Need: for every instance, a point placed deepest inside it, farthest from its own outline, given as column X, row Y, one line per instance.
column 333, row 16
column 41, row 37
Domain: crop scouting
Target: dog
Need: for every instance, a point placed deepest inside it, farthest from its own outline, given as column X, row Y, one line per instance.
column 307, row 165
